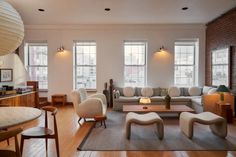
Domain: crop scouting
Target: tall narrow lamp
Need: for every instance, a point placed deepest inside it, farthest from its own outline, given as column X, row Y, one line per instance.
column 222, row 89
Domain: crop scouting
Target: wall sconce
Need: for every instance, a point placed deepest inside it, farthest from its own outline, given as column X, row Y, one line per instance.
column 60, row 49
column 162, row 49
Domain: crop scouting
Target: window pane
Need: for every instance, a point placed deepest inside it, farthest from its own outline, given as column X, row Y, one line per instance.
column 220, row 56
column 85, row 68
column 38, row 55
column 184, row 63
column 86, row 77
column 135, row 63
column 184, row 75
column 134, row 76
column 39, row 74
column 220, row 75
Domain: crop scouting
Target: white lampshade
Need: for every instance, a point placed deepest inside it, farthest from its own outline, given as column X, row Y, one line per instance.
column 11, row 28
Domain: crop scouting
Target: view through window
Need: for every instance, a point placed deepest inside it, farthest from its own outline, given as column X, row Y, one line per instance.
column 220, row 67
column 185, row 63
column 85, row 64
column 135, row 63
column 36, row 61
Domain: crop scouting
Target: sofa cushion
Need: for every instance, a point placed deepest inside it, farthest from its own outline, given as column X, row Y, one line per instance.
column 180, row 99
column 120, row 89
column 194, row 91
column 157, row 98
column 174, row 91
column 138, row 91
column 184, row 91
column 206, row 89
column 147, row 92
column 156, row 91
column 164, row 91
column 127, row 99
column 128, row 91
column 212, row 91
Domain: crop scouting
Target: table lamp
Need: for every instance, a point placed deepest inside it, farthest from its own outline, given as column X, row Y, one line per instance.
column 145, row 100
column 221, row 90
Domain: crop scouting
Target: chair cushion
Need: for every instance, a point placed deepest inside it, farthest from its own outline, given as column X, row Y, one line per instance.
column 174, row 91
column 127, row 99
column 128, row 91
column 194, row 91
column 147, row 92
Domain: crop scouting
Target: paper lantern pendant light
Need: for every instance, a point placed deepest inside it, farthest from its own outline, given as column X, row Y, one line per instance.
column 11, row 28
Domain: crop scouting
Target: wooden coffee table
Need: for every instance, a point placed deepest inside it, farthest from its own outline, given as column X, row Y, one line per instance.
column 157, row 108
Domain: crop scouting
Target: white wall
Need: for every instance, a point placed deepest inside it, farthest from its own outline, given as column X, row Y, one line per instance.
column 20, row 75
column 110, row 55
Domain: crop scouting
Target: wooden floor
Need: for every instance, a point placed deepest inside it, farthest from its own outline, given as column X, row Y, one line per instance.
column 71, row 135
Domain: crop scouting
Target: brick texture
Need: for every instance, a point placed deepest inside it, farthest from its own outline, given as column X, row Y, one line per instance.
column 221, row 33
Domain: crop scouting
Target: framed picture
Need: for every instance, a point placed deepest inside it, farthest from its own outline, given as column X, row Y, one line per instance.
column 220, row 65
column 6, row 75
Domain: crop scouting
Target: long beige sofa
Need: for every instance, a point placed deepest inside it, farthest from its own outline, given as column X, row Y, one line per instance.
column 193, row 100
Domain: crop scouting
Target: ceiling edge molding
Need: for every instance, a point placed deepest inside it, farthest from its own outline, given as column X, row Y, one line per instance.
column 118, row 27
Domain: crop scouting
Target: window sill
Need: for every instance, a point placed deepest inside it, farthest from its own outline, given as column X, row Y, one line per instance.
column 43, row 90
column 91, row 90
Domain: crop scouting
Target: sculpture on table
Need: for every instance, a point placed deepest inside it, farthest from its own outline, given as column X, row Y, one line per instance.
column 111, row 87
column 106, row 93
column 167, row 101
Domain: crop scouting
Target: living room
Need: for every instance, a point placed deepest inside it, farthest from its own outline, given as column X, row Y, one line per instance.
column 129, row 53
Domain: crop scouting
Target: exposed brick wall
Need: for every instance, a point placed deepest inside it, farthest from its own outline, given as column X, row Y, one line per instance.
column 220, row 33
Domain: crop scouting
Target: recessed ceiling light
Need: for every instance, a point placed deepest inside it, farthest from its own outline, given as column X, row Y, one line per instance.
column 107, row 9
column 42, row 10
column 185, row 8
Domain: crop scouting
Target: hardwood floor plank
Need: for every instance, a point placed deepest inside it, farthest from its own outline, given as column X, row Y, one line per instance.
column 71, row 135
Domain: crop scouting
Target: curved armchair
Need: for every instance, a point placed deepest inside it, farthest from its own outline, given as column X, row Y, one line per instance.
column 88, row 106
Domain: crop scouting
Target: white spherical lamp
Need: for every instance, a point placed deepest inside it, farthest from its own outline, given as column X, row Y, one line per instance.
column 11, row 28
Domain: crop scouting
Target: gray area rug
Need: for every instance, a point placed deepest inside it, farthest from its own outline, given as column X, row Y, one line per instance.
column 145, row 137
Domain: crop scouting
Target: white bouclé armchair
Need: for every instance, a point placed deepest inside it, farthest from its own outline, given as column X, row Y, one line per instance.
column 88, row 106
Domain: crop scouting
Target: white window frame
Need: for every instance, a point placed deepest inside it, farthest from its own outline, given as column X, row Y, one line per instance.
column 27, row 59
column 227, row 50
column 137, row 65
column 76, row 42
column 193, row 43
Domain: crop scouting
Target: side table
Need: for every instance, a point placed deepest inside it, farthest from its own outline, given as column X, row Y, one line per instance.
column 225, row 111
column 59, row 98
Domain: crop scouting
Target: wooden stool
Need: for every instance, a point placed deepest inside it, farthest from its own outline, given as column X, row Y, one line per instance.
column 101, row 119
column 59, row 98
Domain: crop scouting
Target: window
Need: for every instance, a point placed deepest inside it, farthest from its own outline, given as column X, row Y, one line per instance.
column 135, row 63
column 185, row 63
column 36, row 62
column 85, row 65
column 220, row 67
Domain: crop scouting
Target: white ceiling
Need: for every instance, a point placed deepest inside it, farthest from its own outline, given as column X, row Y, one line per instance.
column 122, row 11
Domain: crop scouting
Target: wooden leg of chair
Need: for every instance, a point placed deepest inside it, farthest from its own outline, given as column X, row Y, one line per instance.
column 57, row 147
column 8, row 143
column 84, row 120
column 104, row 124
column 21, row 144
column 46, row 143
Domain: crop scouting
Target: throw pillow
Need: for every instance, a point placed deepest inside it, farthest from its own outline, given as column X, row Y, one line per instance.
column 138, row 91
column 120, row 89
column 164, row 92
column 194, row 91
column 205, row 90
column 174, row 91
column 184, row 91
column 128, row 91
column 212, row 91
column 156, row 91
column 117, row 94
column 147, row 92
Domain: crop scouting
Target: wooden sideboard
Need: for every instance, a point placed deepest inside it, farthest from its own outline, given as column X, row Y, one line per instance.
column 25, row 99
